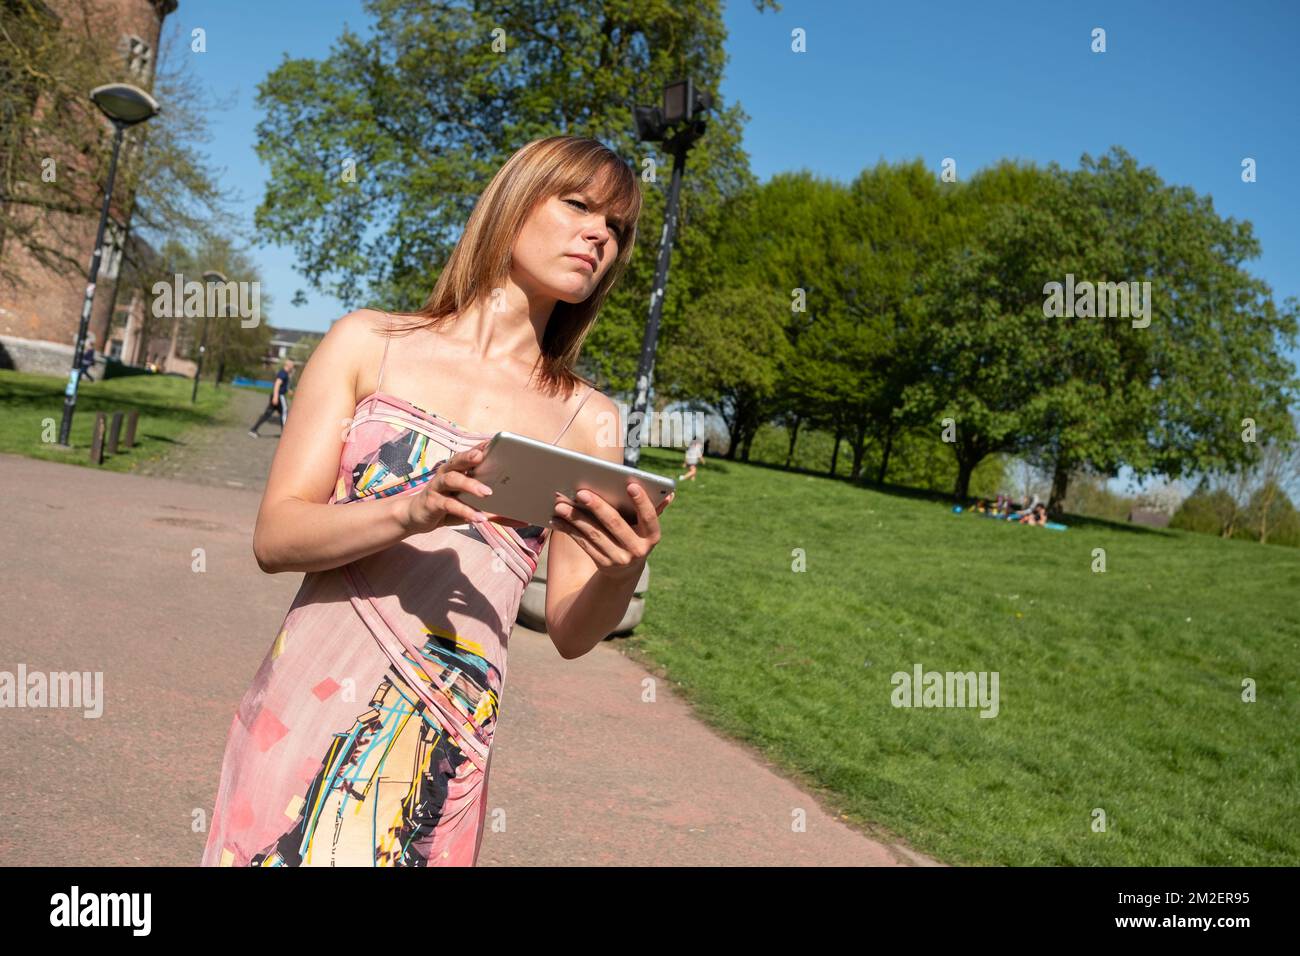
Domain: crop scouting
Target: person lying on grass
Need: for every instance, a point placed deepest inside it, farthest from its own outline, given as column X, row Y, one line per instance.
column 1037, row 515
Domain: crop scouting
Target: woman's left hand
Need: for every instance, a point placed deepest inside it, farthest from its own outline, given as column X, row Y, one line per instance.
column 617, row 548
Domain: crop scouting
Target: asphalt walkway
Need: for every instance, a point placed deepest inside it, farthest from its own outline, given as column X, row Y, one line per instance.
column 102, row 574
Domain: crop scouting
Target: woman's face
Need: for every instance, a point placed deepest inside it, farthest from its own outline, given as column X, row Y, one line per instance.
column 565, row 247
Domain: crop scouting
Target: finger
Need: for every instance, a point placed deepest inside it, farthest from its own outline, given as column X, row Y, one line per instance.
column 511, row 522
column 648, row 518
column 464, row 460
column 459, row 481
column 605, row 518
column 596, row 554
column 454, row 506
column 665, row 503
column 586, row 524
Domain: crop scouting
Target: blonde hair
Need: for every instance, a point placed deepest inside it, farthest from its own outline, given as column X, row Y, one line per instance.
column 481, row 260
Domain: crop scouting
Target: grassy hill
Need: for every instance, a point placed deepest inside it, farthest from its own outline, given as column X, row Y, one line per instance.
column 1119, row 691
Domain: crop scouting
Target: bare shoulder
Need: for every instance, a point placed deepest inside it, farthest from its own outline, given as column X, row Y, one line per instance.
column 362, row 325
column 596, row 430
column 354, row 343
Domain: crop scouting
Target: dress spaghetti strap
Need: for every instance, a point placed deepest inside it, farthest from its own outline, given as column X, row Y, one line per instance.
column 379, row 383
column 590, row 389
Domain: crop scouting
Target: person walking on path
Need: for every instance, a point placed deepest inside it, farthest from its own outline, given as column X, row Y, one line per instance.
column 693, row 452
column 88, row 357
column 279, row 403
column 410, row 594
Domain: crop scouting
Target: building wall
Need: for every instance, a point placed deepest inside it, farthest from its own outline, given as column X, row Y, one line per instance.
column 47, row 304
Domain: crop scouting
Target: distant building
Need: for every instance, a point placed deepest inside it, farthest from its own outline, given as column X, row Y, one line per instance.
column 39, row 319
column 284, row 342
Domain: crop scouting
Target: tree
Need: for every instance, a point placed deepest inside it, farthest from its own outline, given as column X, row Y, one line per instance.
column 732, row 353
column 786, row 241
column 1270, row 513
column 1253, row 495
column 1207, row 510
column 896, row 224
column 378, row 152
column 1164, row 392
column 54, row 143
column 987, row 359
column 229, row 343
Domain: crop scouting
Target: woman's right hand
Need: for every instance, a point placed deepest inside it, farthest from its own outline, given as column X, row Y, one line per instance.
column 434, row 505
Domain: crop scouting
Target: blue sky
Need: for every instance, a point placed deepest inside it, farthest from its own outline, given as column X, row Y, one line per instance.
column 1188, row 88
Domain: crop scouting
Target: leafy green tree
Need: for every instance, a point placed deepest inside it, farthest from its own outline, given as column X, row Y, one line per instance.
column 732, row 354
column 1163, row 392
column 1270, row 515
column 1207, row 511
column 987, row 357
column 378, row 152
column 897, row 225
column 230, row 346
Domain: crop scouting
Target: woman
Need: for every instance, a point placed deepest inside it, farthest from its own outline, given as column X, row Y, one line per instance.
column 366, row 735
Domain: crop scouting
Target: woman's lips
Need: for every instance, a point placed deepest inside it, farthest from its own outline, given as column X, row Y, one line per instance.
column 585, row 262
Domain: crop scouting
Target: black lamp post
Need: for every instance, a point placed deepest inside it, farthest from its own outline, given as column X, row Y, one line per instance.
column 125, row 105
column 677, row 125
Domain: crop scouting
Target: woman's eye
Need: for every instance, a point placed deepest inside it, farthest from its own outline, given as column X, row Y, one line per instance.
column 617, row 230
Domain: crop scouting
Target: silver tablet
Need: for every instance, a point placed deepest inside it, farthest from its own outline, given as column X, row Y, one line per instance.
column 524, row 475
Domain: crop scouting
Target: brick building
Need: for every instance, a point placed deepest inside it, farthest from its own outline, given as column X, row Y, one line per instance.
column 39, row 318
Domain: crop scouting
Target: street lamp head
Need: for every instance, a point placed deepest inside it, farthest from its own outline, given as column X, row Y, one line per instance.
column 683, row 106
column 214, row 276
column 649, row 123
column 683, row 102
column 124, row 104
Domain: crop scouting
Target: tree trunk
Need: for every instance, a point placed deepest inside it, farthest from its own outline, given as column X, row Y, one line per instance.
column 884, row 457
column 859, row 449
column 965, row 467
column 835, row 453
column 1060, row 484
column 794, row 437
column 1266, row 502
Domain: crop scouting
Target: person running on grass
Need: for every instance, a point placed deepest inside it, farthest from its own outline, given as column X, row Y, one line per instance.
column 694, row 452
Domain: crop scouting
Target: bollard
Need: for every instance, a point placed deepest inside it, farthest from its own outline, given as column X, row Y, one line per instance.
column 97, row 441
column 114, row 431
column 130, row 427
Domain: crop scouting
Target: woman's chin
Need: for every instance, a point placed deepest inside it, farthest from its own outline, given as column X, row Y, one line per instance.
column 574, row 296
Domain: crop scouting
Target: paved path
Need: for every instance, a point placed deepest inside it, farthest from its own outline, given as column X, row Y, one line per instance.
column 225, row 455
column 102, row 574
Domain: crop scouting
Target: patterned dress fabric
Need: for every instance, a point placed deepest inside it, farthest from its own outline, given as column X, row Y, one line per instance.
column 365, row 737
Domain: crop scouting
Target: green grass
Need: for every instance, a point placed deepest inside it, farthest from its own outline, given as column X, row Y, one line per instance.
column 31, row 408
column 1119, row 690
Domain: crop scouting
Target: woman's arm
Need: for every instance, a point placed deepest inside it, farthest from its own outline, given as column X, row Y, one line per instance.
column 585, row 601
column 296, row 529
